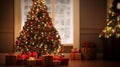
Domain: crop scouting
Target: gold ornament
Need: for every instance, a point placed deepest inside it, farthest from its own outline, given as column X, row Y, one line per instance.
column 38, row 26
column 35, row 3
column 37, row 10
column 36, row 19
column 33, row 43
column 45, row 25
column 31, row 28
column 113, row 13
column 45, row 46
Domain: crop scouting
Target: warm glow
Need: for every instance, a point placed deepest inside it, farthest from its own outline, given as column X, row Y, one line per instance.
column 118, row 5
column 62, row 22
column 31, row 58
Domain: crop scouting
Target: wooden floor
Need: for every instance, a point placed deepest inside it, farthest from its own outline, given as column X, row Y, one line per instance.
column 80, row 63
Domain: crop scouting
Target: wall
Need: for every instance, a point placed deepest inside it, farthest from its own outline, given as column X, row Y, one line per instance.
column 6, row 25
column 92, row 21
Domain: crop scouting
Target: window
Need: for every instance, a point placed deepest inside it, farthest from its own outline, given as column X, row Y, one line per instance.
column 61, row 12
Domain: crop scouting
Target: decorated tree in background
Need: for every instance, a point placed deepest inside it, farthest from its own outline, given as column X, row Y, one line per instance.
column 113, row 22
column 38, row 33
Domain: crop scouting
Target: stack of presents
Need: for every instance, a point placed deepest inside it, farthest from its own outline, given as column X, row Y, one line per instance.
column 87, row 51
column 75, row 54
column 30, row 60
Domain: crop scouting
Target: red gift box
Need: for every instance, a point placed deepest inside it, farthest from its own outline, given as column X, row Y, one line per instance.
column 75, row 50
column 56, row 62
column 47, row 60
column 64, row 61
column 75, row 56
column 88, row 53
column 38, row 62
column 21, row 61
column 31, row 62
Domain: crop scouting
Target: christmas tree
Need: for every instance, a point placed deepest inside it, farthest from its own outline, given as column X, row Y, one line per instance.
column 112, row 30
column 38, row 33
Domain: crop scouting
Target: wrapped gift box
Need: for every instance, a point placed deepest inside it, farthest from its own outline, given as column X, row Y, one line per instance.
column 10, row 59
column 56, row 62
column 75, row 56
column 38, row 62
column 88, row 53
column 75, row 50
column 31, row 62
column 47, row 60
column 64, row 61
column 21, row 61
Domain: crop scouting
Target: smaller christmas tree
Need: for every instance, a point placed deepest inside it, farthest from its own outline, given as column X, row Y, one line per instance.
column 38, row 33
column 113, row 22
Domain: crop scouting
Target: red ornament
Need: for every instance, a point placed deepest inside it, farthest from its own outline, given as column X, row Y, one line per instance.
column 31, row 23
column 41, row 19
column 18, row 42
column 22, row 31
column 25, row 46
column 27, row 35
column 57, row 41
column 53, row 32
column 50, row 37
column 50, row 23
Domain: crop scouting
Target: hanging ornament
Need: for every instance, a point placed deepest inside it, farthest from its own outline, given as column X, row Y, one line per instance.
column 38, row 26
column 30, row 23
column 53, row 32
column 45, row 46
column 24, row 36
column 35, row 2
column 113, row 13
column 35, row 37
column 31, row 28
column 27, row 35
column 37, row 9
column 45, row 25
column 25, row 46
column 113, row 31
column 27, row 29
column 36, row 19
column 26, row 42
column 18, row 42
column 31, row 31
column 21, row 34
column 33, row 43
column 22, row 31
